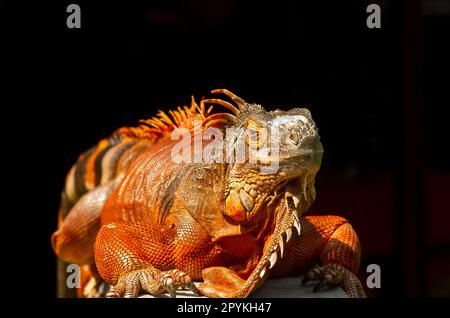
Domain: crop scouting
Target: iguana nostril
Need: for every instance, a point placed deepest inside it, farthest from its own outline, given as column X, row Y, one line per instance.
column 309, row 140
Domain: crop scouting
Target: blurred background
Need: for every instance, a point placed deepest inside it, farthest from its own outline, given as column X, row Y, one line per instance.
column 379, row 96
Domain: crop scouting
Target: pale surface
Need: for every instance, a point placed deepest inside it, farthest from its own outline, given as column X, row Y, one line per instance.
column 278, row 288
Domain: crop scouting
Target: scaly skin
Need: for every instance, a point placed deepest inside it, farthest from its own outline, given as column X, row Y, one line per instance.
column 147, row 223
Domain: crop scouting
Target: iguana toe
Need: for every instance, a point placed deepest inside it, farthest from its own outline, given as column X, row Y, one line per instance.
column 152, row 281
column 335, row 275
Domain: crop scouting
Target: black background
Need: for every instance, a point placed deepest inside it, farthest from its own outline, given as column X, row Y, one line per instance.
column 379, row 97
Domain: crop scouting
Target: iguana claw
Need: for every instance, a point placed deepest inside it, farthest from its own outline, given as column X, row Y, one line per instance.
column 151, row 281
column 334, row 275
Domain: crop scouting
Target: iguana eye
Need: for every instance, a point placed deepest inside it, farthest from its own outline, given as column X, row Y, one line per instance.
column 256, row 135
column 253, row 133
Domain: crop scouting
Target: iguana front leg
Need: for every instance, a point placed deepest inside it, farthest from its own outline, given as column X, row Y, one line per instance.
column 340, row 260
column 135, row 257
column 330, row 241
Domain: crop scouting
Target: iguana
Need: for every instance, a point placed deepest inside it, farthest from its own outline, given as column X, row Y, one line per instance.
column 141, row 222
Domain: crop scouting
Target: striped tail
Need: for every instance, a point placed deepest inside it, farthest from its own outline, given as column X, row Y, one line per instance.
column 95, row 167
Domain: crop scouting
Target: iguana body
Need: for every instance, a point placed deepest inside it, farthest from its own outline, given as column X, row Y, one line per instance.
column 149, row 223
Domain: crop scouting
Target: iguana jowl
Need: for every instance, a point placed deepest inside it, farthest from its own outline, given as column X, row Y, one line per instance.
column 144, row 222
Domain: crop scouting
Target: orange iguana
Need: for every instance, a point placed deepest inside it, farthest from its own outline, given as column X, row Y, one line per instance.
column 141, row 221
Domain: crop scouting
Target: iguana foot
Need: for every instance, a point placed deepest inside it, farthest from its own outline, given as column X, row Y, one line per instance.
column 152, row 281
column 335, row 275
column 330, row 275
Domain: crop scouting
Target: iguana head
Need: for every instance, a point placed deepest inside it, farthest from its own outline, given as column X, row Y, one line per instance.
column 273, row 185
column 287, row 160
column 279, row 154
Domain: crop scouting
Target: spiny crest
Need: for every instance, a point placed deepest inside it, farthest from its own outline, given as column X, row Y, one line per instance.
column 185, row 117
